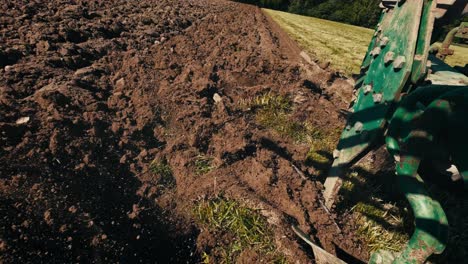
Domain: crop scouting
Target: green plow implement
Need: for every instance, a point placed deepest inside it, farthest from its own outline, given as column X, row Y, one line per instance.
column 410, row 100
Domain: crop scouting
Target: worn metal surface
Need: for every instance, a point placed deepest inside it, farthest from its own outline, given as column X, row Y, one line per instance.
column 400, row 25
column 321, row 256
column 435, row 103
column 442, row 74
column 423, row 44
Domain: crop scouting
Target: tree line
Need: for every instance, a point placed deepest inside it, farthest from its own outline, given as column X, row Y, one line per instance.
column 364, row 13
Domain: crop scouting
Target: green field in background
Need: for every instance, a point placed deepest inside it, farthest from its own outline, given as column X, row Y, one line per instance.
column 343, row 45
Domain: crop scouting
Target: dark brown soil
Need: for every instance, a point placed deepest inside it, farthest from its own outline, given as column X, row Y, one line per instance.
column 91, row 92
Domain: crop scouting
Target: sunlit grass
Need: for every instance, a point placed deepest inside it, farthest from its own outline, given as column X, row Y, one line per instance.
column 275, row 111
column 203, row 164
column 460, row 56
column 163, row 171
column 246, row 227
column 342, row 44
column 381, row 223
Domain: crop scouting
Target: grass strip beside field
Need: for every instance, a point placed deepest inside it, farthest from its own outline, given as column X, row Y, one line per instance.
column 246, row 228
column 344, row 46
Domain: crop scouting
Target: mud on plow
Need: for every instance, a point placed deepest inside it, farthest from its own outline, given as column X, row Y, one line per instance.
column 407, row 98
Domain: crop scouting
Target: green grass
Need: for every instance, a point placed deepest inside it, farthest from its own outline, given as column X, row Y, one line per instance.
column 382, row 222
column 203, row 164
column 246, row 228
column 459, row 58
column 275, row 112
column 384, row 218
column 164, row 172
column 342, row 44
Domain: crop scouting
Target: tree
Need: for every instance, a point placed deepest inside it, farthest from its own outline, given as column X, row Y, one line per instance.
column 357, row 12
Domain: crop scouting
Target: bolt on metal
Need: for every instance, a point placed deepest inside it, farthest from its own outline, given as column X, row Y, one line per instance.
column 384, row 41
column 367, row 89
column 389, row 57
column 399, row 62
column 429, row 63
column 376, row 51
column 336, row 153
column 358, row 126
column 377, row 97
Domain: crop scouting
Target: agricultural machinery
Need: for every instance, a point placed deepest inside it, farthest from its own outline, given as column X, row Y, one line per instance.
column 407, row 98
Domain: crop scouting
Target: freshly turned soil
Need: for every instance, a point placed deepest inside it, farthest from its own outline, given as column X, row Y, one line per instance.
column 91, row 92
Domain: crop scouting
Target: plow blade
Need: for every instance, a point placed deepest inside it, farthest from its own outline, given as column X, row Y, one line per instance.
column 321, row 256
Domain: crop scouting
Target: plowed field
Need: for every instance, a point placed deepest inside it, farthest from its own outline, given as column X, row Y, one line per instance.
column 118, row 117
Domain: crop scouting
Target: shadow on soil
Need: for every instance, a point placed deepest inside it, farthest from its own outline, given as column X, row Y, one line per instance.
column 95, row 216
column 379, row 192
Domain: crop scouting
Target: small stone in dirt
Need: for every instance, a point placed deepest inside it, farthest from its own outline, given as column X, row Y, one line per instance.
column 8, row 68
column 72, row 209
column 86, row 159
column 25, row 223
column 115, row 127
column 324, row 65
column 3, row 245
column 103, row 236
column 157, row 42
column 84, row 71
column 22, row 120
column 123, row 159
column 63, row 228
column 48, row 217
column 135, row 212
column 217, row 98
column 120, row 83
column 42, row 46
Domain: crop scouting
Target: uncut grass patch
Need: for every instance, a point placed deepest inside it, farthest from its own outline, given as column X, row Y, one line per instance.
column 343, row 45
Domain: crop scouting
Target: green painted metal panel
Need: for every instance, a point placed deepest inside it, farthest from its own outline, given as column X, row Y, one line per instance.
column 383, row 82
column 379, row 88
column 424, row 40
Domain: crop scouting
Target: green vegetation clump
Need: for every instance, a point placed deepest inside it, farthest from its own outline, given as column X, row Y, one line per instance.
column 386, row 222
column 382, row 224
column 203, row 164
column 341, row 44
column 274, row 112
column 377, row 236
column 164, row 171
column 247, row 228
